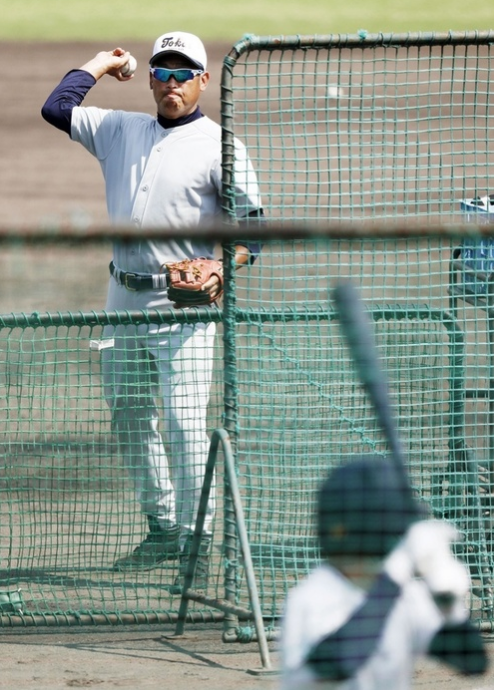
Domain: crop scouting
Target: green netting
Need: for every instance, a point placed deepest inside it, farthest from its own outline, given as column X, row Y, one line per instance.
column 348, row 127
column 345, row 128
column 301, row 409
column 401, row 133
column 68, row 507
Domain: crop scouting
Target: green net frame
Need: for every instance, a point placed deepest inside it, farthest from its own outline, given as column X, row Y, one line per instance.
column 349, row 128
column 344, row 127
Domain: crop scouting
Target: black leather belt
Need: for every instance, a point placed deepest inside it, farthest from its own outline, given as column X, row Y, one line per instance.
column 138, row 281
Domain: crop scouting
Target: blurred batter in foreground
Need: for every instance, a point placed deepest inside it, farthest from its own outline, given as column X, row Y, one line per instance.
column 389, row 590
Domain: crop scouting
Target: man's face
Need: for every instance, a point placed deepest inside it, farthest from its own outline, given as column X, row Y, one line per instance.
column 176, row 99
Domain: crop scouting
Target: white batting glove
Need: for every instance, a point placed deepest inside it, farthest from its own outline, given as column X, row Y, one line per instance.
column 446, row 577
column 399, row 565
column 425, row 551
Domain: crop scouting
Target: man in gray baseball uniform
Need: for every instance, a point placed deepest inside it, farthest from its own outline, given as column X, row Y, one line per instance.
column 388, row 591
column 162, row 171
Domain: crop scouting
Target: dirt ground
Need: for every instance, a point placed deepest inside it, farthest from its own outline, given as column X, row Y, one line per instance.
column 48, row 180
column 154, row 658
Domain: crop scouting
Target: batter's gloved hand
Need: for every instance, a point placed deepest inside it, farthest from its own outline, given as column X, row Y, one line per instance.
column 194, row 282
column 425, row 552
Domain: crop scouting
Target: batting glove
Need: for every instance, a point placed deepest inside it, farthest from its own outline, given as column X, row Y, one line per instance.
column 425, row 552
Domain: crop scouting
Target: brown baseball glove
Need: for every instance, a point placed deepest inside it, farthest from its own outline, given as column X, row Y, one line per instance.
column 186, row 281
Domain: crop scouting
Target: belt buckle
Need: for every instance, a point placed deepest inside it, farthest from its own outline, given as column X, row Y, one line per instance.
column 126, row 282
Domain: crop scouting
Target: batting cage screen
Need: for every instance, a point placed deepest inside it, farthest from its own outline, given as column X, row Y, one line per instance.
column 340, row 129
column 285, row 391
column 348, row 127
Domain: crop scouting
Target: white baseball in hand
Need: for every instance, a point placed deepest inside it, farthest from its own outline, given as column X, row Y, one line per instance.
column 129, row 68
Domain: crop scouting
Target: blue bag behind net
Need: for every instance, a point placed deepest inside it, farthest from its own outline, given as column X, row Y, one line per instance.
column 478, row 254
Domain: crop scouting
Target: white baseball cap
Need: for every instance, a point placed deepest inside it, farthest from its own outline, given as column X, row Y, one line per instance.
column 181, row 43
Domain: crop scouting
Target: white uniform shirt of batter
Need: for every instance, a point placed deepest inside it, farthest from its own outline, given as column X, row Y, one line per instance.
column 324, row 601
column 169, row 178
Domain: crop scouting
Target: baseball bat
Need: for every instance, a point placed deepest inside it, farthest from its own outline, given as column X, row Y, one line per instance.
column 358, row 332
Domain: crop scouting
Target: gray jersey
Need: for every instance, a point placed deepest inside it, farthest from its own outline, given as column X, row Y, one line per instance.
column 156, row 177
column 324, row 601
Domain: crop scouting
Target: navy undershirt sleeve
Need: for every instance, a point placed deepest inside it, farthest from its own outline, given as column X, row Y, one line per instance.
column 340, row 655
column 57, row 110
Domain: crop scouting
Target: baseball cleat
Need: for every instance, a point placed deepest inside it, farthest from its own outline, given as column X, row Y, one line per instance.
column 158, row 546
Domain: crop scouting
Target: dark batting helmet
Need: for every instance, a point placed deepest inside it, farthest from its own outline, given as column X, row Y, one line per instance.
column 364, row 507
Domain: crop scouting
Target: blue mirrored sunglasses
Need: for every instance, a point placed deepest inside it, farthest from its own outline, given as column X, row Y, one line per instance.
column 180, row 75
